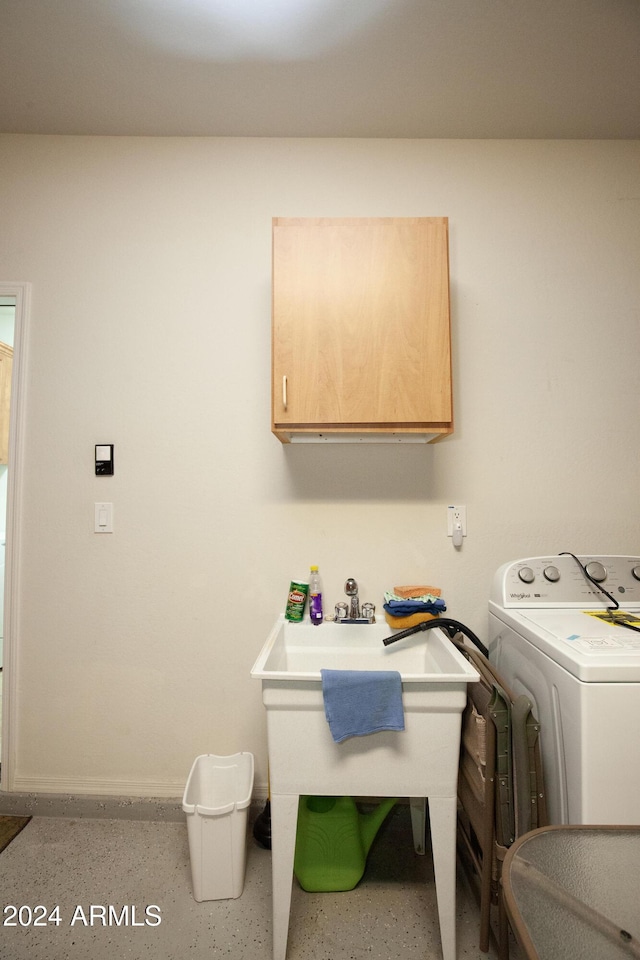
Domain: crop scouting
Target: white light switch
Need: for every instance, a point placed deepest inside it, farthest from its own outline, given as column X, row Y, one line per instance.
column 103, row 518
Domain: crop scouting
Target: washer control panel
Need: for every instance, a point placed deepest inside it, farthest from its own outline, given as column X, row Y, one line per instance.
column 560, row 581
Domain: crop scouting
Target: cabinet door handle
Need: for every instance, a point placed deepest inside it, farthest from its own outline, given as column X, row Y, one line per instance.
column 284, row 392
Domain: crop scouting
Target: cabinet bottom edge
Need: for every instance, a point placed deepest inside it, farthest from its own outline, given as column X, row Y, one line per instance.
column 360, row 434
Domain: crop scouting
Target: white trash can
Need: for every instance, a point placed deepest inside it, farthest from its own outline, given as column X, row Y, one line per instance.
column 216, row 799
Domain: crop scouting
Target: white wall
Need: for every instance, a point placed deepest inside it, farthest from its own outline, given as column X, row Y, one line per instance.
column 150, row 326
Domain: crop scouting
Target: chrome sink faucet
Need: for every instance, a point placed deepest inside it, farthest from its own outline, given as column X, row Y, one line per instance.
column 352, row 613
column 351, row 590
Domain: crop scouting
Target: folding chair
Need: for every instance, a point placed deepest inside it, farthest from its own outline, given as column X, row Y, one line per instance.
column 500, row 786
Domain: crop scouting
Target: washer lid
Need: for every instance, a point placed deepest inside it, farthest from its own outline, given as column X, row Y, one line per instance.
column 586, row 643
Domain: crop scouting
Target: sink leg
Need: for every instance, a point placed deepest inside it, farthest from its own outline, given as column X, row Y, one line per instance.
column 418, row 808
column 442, row 815
column 284, row 821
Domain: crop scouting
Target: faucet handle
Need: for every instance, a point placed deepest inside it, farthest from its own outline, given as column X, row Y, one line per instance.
column 341, row 611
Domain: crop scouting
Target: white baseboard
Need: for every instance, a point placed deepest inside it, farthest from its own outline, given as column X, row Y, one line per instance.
column 98, row 787
column 68, row 786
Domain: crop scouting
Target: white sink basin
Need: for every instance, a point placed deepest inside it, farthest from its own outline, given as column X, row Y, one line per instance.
column 299, row 651
column 417, row 762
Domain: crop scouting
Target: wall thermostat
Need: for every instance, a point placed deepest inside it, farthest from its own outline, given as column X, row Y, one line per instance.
column 104, row 459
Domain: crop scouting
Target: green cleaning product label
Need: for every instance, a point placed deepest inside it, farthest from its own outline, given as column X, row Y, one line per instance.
column 296, row 601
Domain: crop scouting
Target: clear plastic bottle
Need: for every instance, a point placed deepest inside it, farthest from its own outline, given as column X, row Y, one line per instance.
column 315, row 597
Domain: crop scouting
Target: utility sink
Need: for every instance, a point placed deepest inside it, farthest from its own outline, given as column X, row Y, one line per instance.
column 418, row 762
column 299, row 651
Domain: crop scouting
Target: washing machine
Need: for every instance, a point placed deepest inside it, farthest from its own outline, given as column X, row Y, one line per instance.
column 557, row 633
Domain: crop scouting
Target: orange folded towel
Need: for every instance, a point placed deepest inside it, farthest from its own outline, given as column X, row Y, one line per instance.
column 401, row 623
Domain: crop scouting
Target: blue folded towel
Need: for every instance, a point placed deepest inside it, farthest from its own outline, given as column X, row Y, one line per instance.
column 404, row 608
column 357, row 702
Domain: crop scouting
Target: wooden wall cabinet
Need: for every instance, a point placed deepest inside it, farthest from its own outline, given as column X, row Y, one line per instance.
column 361, row 345
column 6, row 365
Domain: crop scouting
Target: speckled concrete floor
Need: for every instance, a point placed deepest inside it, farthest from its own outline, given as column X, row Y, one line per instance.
column 74, row 864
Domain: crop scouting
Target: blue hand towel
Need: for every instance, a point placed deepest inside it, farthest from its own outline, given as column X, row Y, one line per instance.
column 404, row 608
column 358, row 702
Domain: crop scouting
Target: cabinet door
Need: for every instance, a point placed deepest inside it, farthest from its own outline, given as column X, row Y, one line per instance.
column 361, row 334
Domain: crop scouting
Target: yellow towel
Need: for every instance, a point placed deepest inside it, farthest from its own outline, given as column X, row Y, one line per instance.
column 401, row 623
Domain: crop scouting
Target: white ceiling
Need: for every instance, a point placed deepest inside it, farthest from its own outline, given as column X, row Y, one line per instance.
column 342, row 68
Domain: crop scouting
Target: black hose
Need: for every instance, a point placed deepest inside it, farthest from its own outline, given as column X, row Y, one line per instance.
column 451, row 627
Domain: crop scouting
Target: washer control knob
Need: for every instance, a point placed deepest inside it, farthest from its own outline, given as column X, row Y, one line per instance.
column 635, row 572
column 596, row 571
column 552, row 574
column 526, row 574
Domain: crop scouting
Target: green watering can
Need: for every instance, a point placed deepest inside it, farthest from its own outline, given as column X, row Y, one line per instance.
column 333, row 840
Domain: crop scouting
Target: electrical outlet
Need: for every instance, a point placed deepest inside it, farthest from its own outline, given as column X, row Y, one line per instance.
column 457, row 524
